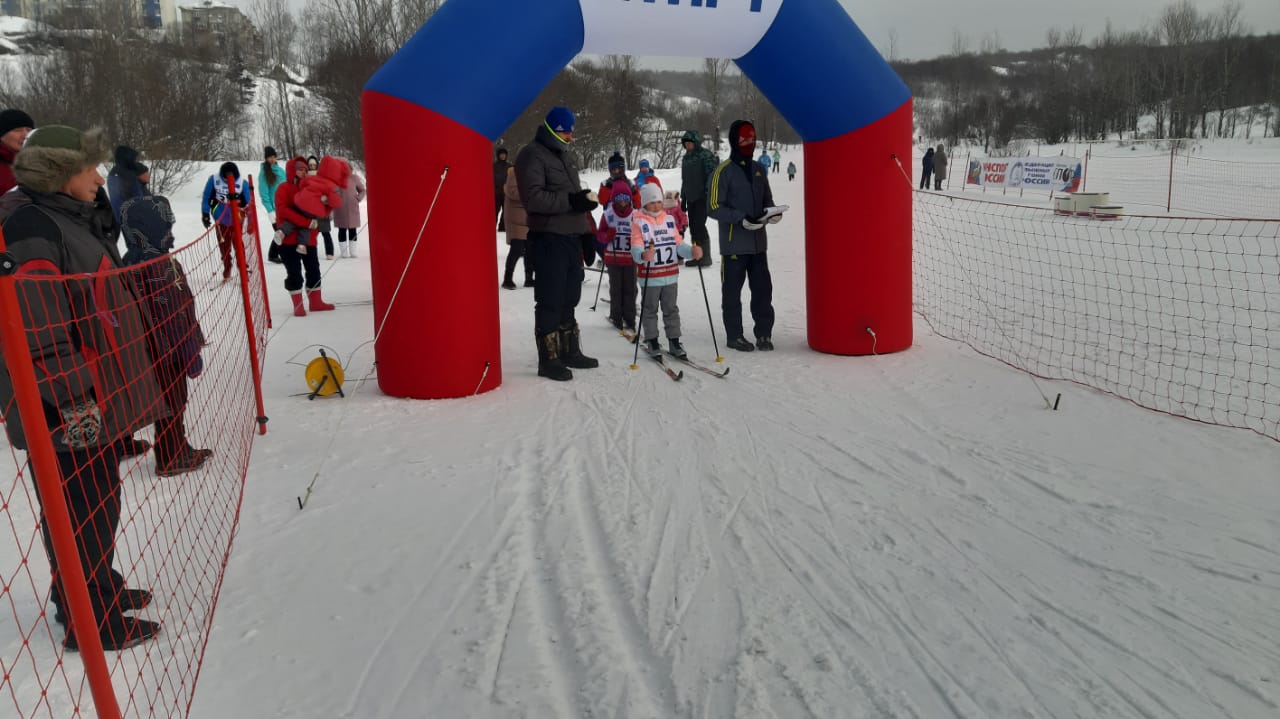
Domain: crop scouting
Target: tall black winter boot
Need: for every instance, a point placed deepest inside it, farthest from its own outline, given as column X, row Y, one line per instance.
column 549, row 364
column 571, row 349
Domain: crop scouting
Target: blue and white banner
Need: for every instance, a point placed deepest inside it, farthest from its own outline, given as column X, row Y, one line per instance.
column 1057, row 174
column 677, row 28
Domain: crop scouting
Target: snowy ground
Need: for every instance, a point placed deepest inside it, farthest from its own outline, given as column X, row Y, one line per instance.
column 911, row 535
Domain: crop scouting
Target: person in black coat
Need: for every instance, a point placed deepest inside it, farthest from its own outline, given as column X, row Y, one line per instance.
column 500, row 166
column 926, row 169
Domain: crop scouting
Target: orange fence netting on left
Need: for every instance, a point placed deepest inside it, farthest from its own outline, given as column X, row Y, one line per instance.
column 131, row 394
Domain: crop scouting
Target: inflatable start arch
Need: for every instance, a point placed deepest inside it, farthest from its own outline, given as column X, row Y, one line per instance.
column 433, row 111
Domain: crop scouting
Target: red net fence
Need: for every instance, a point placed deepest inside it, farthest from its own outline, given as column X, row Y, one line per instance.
column 166, row 352
column 1179, row 315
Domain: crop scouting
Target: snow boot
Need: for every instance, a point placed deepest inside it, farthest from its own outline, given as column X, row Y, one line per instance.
column 118, row 632
column 317, row 303
column 571, row 349
column 677, row 349
column 651, row 346
column 298, row 309
column 352, row 248
column 342, row 249
column 741, row 344
column 764, row 344
column 549, row 364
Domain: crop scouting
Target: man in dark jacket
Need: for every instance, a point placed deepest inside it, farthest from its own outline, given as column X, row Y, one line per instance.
column 14, row 127
column 122, row 182
column 500, row 166
column 738, row 197
column 695, row 174
column 559, row 219
column 87, row 341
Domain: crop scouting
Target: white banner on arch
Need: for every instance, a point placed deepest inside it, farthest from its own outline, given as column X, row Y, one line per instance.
column 685, row 28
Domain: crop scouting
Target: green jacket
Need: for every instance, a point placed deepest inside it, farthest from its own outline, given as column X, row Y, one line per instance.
column 696, row 169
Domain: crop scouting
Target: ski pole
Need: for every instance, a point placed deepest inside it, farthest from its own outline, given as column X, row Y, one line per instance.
column 644, row 290
column 715, row 345
column 600, row 281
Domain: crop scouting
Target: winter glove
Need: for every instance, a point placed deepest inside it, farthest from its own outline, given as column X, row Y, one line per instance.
column 775, row 219
column 206, row 220
column 752, row 222
column 195, row 367
column 579, row 202
column 82, row 425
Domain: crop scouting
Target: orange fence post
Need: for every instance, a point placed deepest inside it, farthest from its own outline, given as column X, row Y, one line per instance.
column 40, row 453
column 262, row 270
column 237, row 235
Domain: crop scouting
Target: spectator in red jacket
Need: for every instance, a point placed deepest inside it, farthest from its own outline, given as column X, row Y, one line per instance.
column 300, row 254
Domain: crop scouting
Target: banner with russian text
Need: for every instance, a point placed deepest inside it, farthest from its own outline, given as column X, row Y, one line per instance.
column 1057, row 174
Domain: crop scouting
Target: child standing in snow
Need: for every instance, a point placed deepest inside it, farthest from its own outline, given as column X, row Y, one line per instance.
column 657, row 243
column 614, row 238
column 671, row 203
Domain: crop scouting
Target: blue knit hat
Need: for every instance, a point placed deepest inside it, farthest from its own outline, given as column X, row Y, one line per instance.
column 560, row 119
column 644, row 165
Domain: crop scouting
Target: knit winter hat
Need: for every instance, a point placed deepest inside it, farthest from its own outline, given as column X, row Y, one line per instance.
column 500, row 153
column 13, row 119
column 620, row 198
column 561, row 119
column 141, row 169
column 650, row 192
column 617, row 162
column 268, row 152
column 229, row 168
column 53, row 154
column 644, row 165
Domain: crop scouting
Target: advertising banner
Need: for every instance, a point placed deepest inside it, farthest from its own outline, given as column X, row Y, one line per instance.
column 1057, row 174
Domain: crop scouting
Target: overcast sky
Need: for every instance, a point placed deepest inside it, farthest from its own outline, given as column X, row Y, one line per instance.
column 926, row 28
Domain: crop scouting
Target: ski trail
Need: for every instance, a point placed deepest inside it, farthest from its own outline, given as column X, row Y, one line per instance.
column 385, row 643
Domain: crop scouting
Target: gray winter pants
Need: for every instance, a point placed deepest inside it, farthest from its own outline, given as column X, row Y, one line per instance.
column 666, row 298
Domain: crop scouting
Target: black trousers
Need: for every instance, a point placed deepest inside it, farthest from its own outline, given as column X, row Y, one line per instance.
column 348, row 234
column 295, row 264
column 698, row 229
column 924, row 180
column 91, row 488
column 518, row 249
column 557, row 262
column 622, row 294
column 328, row 242
column 754, row 270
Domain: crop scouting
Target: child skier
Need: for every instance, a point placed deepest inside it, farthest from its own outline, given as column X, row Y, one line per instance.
column 614, row 238
column 656, row 242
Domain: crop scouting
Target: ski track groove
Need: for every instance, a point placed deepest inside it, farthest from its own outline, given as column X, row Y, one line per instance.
column 550, row 613
column 506, row 636
column 642, row 665
column 445, row 556
column 1089, row 665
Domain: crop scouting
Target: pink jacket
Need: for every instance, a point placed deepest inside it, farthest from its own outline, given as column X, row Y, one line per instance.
column 348, row 214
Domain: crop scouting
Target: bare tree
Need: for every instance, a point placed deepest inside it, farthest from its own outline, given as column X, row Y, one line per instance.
column 892, row 54
column 279, row 33
column 714, row 71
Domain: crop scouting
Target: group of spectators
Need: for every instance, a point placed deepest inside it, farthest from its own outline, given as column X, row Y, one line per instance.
column 62, row 219
column 548, row 219
column 933, row 165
